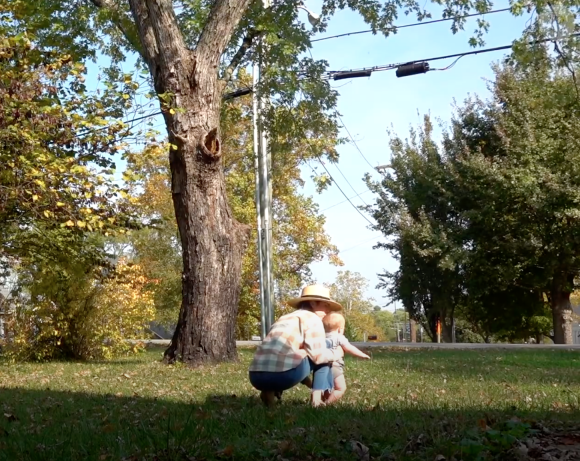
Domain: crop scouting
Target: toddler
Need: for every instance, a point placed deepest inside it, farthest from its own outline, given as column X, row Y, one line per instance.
column 334, row 326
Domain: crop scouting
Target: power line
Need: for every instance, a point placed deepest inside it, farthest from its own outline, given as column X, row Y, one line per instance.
column 342, row 192
column 348, row 182
column 422, row 23
column 235, row 94
column 367, row 71
column 344, row 201
column 360, row 243
column 353, row 141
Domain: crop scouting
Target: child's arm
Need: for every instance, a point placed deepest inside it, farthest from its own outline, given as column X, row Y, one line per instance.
column 354, row 351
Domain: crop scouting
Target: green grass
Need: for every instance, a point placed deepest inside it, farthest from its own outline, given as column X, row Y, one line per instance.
column 401, row 405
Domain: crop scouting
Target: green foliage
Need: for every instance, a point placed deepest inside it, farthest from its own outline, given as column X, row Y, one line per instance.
column 487, row 226
column 75, row 304
column 414, row 205
column 361, row 319
column 54, row 139
column 349, row 290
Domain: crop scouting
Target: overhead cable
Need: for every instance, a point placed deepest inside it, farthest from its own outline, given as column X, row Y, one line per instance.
column 367, row 71
column 414, row 24
column 345, row 196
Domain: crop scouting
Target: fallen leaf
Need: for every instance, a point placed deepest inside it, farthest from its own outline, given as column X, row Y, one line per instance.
column 108, row 428
column 227, row 452
column 10, row 417
column 440, row 458
column 361, row 451
column 284, row 445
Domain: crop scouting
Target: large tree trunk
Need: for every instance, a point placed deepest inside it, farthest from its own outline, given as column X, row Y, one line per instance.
column 562, row 312
column 413, row 328
column 213, row 242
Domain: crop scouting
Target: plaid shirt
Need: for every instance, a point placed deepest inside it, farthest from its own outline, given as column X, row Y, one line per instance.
column 292, row 338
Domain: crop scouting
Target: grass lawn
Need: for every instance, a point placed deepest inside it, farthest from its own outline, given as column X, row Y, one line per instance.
column 415, row 405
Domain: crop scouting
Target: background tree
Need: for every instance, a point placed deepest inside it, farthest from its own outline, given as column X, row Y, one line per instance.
column 522, row 208
column 71, row 301
column 56, row 155
column 349, row 290
column 414, row 209
column 191, row 56
column 487, row 224
column 298, row 232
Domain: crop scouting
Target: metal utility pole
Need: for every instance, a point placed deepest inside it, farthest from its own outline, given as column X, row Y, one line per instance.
column 262, row 163
column 257, row 152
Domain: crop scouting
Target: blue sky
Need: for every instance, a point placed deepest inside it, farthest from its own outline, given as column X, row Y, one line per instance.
column 371, row 106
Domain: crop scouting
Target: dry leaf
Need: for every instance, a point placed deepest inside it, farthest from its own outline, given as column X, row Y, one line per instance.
column 440, row 458
column 482, row 423
column 361, row 451
column 108, row 428
column 227, row 452
column 10, row 417
column 284, row 445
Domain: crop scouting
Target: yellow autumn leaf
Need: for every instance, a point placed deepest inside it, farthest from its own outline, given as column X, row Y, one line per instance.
column 81, row 223
column 70, row 223
column 34, row 198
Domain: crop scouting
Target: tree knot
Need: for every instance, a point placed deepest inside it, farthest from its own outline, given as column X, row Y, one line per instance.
column 210, row 144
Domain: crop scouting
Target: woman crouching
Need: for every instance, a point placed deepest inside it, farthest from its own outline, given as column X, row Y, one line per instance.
column 295, row 347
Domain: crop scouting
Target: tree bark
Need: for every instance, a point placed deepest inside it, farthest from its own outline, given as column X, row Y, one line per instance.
column 562, row 311
column 413, row 328
column 213, row 242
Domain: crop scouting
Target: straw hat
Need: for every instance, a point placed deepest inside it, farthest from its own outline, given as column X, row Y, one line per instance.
column 315, row 293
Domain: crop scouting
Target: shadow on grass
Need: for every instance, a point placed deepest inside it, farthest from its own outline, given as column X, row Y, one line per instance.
column 50, row 425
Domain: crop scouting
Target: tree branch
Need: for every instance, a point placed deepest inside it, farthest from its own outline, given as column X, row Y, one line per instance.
column 237, row 59
column 121, row 22
column 224, row 17
column 146, row 34
column 161, row 17
column 560, row 52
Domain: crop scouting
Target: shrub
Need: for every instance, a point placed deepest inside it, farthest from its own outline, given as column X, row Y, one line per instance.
column 79, row 314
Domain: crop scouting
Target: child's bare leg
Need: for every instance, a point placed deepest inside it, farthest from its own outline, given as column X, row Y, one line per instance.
column 339, row 390
column 307, row 382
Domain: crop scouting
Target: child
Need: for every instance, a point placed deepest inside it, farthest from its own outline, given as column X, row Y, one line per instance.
column 334, row 326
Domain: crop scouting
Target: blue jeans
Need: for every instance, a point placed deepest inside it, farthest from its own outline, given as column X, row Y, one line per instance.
column 278, row 381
